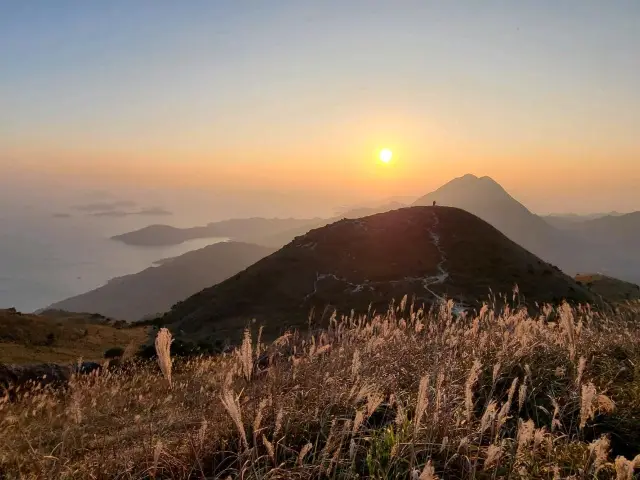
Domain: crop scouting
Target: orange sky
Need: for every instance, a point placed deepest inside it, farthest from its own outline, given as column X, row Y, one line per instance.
column 302, row 97
column 414, row 170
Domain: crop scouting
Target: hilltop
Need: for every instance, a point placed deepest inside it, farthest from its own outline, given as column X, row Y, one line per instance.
column 428, row 253
column 598, row 242
column 154, row 290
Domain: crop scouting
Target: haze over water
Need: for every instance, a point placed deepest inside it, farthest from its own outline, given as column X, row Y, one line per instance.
column 50, row 250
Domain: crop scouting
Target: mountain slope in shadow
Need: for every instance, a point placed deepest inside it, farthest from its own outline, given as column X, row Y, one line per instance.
column 428, row 253
column 154, row 290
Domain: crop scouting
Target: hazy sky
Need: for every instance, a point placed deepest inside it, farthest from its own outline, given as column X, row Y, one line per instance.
column 298, row 96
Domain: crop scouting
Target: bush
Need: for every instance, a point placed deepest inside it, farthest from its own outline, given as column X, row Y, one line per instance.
column 115, row 352
column 182, row 349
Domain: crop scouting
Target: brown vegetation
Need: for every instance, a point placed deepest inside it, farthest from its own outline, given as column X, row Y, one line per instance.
column 61, row 337
column 407, row 394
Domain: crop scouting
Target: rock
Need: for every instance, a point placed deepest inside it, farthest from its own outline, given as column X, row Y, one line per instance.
column 14, row 376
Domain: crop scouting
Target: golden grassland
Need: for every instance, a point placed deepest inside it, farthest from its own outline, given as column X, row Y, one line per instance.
column 26, row 338
column 407, row 394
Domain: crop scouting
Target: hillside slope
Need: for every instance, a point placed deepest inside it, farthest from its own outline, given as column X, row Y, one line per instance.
column 279, row 239
column 61, row 337
column 154, row 290
column 425, row 252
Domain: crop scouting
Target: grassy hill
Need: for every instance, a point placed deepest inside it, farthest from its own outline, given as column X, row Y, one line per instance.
column 395, row 396
column 427, row 253
column 61, row 337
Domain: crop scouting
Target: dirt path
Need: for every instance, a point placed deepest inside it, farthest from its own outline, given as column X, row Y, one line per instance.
column 427, row 282
column 442, row 273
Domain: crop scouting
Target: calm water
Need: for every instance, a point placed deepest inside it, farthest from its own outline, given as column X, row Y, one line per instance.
column 45, row 259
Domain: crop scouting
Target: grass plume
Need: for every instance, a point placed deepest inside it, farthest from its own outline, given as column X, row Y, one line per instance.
column 373, row 396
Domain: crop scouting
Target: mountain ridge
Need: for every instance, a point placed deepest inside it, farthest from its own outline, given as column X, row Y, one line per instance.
column 429, row 253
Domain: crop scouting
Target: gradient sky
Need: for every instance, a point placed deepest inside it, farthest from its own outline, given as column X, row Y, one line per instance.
column 300, row 95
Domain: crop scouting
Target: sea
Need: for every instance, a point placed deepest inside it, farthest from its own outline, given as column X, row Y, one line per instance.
column 46, row 258
column 54, row 246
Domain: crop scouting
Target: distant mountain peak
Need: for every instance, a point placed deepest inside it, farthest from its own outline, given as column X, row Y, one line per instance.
column 469, row 176
column 469, row 180
column 488, row 179
column 468, row 190
column 487, row 199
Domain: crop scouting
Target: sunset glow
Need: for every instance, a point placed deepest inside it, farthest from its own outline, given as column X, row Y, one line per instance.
column 386, row 155
column 202, row 112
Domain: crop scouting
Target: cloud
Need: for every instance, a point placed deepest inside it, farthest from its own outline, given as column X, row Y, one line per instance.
column 151, row 211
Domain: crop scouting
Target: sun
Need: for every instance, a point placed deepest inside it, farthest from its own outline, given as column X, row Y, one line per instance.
column 385, row 155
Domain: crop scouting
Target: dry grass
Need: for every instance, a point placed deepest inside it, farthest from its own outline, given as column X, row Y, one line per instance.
column 407, row 394
column 28, row 338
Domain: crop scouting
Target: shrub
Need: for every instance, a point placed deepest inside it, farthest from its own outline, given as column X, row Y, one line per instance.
column 114, row 352
column 50, row 339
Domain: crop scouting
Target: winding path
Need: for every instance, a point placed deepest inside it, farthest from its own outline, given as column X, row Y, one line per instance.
column 427, row 282
column 443, row 274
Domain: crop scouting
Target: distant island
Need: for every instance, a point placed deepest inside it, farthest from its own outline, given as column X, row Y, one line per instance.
column 272, row 232
column 246, row 230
